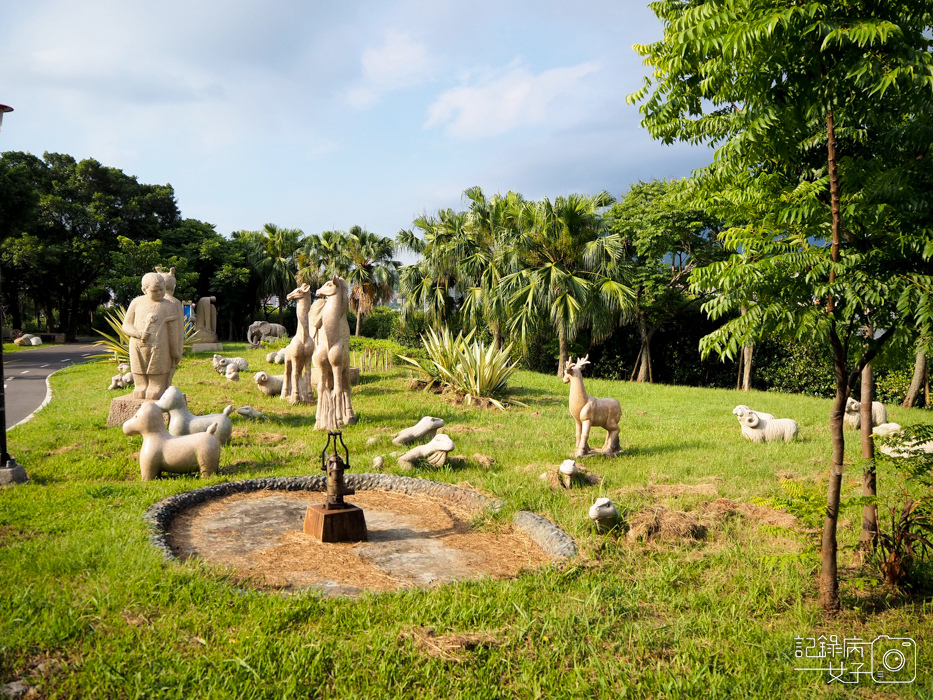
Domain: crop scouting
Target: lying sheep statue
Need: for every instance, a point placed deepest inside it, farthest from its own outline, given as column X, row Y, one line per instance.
column 911, row 448
column 740, row 412
column 269, row 384
column 435, row 452
column 121, row 381
column 182, row 422
column 162, row 452
column 853, row 414
column 232, row 373
column 221, row 363
column 759, row 428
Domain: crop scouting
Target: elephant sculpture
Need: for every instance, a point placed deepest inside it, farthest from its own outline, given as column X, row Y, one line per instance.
column 261, row 331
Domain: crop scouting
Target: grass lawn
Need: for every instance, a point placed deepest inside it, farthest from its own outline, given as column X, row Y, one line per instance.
column 89, row 609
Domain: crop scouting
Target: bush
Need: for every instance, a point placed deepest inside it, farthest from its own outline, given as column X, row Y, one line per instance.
column 381, row 323
column 473, row 369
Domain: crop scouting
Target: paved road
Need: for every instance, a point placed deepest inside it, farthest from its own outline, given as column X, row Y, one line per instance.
column 24, row 375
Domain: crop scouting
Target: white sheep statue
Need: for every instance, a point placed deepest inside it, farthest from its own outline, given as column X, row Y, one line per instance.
column 763, row 427
column 910, row 448
column 221, row 363
column 269, row 384
column 232, row 373
column 741, row 411
column 588, row 411
column 853, row 414
column 121, row 381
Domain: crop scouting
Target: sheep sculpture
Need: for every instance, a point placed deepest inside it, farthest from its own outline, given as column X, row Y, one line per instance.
column 909, row 448
column 269, row 384
column 221, row 363
column 588, row 411
column 121, row 381
column 853, row 413
column 763, row 427
column 181, row 421
column 233, row 373
column 740, row 412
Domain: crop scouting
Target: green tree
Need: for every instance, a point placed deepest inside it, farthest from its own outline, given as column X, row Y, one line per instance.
column 372, row 272
column 569, row 271
column 822, row 112
column 273, row 254
column 322, row 256
column 666, row 241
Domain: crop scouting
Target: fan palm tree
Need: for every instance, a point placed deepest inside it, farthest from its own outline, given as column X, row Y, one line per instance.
column 372, row 272
column 570, row 273
column 272, row 252
column 322, row 256
column 433, row 284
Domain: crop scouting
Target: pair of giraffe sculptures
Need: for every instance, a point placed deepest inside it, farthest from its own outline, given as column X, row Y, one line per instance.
column 323, row 337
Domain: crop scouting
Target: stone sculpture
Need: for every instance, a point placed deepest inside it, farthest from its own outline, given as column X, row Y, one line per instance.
column 154, row 326
column 232, row 373
column 221, row 363
column 161, row 452
column 763, row 427
column 28, row 339
column 426, row 428
column 181, row 421
column 853, row 414
column 907, row 448
column 170, row 282
column 588, row 411
column 741, row 411
column 568, row 472
column 435, row 452
column 250, row 412
column 263, row 331
column 205, row 322
column 269, row 384
column 120, row 381
column 297, row 387
column 604, row 515
column 328, row 322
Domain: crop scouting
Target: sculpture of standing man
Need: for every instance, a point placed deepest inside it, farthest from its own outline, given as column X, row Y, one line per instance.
column 170, row 283
column 206, row 320
column 154, row 326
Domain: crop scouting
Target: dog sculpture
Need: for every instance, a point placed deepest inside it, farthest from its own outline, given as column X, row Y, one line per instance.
column 162, row 452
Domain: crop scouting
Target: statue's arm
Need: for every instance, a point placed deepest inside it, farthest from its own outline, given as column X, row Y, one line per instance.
column 129, row 323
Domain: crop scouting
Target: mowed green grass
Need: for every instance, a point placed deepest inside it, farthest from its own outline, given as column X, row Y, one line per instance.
column 89, row 609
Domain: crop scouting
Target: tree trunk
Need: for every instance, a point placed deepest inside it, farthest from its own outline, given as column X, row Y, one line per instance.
column 359, row 322
column 869, row 512
column 829, row 581
column 920, row 368
column 643, row 364
column 562, row 344
column 496, row 336
column 747, row 366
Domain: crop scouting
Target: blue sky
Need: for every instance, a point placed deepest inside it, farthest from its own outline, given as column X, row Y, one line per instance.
column 322, row 115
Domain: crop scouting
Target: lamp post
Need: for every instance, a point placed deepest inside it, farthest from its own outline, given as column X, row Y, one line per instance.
column 10, row 471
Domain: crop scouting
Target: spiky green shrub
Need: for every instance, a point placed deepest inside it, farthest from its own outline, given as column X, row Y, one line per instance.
column 469, row 367
column 117, row 345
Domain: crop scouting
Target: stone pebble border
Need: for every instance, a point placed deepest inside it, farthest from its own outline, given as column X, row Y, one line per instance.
column 550, row 538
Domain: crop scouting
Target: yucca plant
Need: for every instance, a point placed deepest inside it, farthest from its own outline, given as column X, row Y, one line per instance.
column 118, row 345
column 469, row 367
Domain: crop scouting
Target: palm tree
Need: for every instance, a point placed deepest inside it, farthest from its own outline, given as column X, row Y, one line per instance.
column 322, row 256
column 372, row 271
column 569, row 272
column 433, row 284
column 272, row 252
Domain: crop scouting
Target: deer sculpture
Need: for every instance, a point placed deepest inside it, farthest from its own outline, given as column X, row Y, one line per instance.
column 296, row 387
column 588, row 411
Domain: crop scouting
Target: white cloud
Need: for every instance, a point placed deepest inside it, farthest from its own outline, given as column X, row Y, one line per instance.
column 399, row 63
column 516, row 99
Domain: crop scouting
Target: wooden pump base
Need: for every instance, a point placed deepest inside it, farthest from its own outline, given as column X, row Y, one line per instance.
column 336, row 525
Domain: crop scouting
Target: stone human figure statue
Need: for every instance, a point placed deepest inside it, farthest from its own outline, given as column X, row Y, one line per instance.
column 154, row 326
column 206, row 321
column 170, row 281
